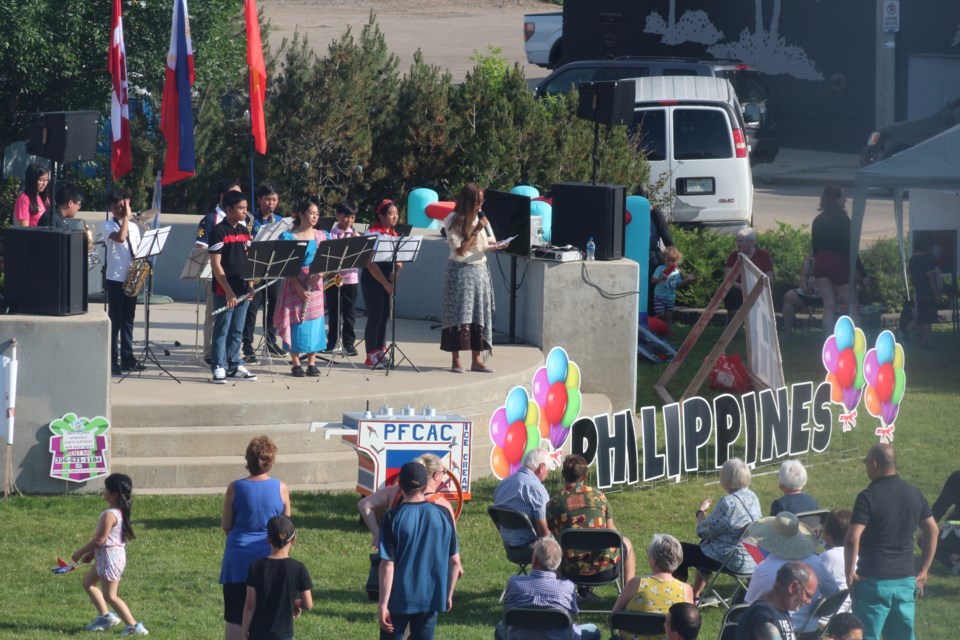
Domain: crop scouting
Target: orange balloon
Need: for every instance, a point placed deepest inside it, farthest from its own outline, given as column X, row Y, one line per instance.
column 872, row 399
column 544, row 426
column 836, row 391
column 498, row 463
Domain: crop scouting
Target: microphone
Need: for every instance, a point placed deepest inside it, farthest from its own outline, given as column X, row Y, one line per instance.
column 486, row 223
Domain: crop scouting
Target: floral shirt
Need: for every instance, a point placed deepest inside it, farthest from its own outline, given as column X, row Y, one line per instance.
column 578, row 506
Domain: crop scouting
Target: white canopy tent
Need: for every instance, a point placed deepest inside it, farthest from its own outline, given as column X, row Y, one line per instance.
column 932, row 164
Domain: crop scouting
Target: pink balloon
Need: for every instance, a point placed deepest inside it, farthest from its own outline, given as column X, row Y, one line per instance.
column 871, row 367
column 831, row 354
column 888, row 412
column 851, row 397
column 499, row 426
column 540, row 387
column 514, row 467
column 558, row 435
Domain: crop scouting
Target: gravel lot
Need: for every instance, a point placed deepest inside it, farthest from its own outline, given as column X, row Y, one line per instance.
column 448, row 32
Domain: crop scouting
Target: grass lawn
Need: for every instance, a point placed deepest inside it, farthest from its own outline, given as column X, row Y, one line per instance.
column 173, row 565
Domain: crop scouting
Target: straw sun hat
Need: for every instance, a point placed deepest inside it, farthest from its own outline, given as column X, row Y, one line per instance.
column 784, row 536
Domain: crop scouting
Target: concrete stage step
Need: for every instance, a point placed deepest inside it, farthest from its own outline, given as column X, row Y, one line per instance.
column 190, row 437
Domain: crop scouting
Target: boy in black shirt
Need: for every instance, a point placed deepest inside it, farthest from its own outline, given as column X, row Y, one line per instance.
column 278, row 587
column 228, row 255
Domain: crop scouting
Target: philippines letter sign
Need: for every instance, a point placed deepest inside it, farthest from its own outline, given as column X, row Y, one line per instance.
column 79, row 448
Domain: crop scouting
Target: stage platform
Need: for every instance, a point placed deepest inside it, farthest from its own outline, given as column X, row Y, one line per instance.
column 189, row 437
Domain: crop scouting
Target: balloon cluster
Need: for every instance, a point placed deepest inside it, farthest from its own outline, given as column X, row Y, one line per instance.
column 843, row 358
column 886, row 382
column 523, row 423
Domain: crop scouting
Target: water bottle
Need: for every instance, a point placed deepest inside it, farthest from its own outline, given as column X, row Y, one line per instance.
column 591, row 249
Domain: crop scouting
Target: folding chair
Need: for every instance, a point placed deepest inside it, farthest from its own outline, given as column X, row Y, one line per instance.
column 636, row 622
column 825, row 609
column 593, row 541
column 741, row 579
column 513, row 520
column 731, row 617
column 537, row 619
column 814, row 521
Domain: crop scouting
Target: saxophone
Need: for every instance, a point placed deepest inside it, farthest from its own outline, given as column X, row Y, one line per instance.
column 136, row 277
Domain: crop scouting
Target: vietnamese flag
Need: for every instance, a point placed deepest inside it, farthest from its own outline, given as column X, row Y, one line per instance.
column 258, row 77
column 176, row 111
column 121, row 158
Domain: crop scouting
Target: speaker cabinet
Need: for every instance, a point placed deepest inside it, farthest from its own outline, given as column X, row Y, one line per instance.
column 63, row 136
column 609, row 103
column 45, row 271
column 582, row 210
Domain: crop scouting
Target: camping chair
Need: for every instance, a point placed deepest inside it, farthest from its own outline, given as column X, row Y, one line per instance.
column 637, row 622
column 814, row 521
column 512, row 520
column 823, row 611
column 741, row 579
column 593, row 541
column 538, row 620
column 731, row 617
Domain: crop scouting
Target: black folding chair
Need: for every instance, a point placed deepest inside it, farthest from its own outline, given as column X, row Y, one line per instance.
column 513, row 520
column 636, row 622
column 825, row 608
column 731, row 617
column 740, row 578
column 814, row 521
column 536, row 619
column 593, row 541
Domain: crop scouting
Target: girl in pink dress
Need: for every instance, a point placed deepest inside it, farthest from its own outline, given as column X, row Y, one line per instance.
column 33, row 202
column 108, row 548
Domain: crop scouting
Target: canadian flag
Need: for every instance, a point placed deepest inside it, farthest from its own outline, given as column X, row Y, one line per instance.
column 120, row 157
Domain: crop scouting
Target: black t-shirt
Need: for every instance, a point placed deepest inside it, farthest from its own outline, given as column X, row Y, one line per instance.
column 53, row 217
column 891, row 509
column 231, row 243
column 278, row 582
column 753, row 624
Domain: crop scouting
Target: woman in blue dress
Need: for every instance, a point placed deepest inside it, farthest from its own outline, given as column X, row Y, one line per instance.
column 299, row 315
column 247, row 507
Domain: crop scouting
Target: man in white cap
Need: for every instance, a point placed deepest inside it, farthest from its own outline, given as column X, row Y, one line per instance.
column 784, row 538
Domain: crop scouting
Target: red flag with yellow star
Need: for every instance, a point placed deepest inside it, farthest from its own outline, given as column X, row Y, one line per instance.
column 258, row 77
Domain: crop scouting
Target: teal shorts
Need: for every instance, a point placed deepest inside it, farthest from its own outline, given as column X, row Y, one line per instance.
column 886, row 607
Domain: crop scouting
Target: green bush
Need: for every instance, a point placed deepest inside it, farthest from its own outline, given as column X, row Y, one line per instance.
column 882, row 262
column 704, row 254
column 787, row 246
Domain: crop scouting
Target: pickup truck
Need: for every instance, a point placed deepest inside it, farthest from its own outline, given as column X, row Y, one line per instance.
column 541, row 38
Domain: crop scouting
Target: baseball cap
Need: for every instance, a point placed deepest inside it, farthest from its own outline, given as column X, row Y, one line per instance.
column 413, row 477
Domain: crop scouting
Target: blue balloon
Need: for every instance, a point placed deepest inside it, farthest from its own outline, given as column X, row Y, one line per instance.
column 844, row 333
column 545, row 211
column 525, row 190
column 516, row 406
column 417, row 202
column 886, row 347
column 556, row 365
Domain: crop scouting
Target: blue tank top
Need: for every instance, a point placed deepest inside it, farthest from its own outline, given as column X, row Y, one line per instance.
column 254, row 503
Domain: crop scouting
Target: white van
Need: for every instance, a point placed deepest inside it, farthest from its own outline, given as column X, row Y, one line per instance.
column 692, row 129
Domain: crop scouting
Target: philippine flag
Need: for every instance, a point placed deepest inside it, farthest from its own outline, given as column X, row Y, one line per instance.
column 120, row 156
column 176, row 112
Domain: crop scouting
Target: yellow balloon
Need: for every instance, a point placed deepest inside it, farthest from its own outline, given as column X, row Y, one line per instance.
column 859, row 341
column 898, row 357
column 573, row 376
column 533, row 414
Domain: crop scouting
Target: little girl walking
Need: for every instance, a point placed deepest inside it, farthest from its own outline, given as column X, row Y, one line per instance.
column 107, row 546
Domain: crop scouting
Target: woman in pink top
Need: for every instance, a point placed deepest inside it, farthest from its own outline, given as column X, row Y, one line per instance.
column 34, row 201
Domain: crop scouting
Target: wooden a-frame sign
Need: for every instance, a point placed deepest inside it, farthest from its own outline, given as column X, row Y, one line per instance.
column 738, row 272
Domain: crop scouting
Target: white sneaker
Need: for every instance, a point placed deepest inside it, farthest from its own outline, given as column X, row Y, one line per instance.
column 102, row 623
column 219, row 376
column 135, row 630
column 241, row 373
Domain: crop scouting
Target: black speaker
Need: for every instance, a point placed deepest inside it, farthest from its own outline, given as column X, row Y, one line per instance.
column 609, row 103
column 45, row 270
column 582, row 210
column 63, row 136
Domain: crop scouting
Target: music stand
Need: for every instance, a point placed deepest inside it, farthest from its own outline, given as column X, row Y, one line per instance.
column 273, row 230
column 325, row 223
column 151, row 244
column 394, row 249
column 338, row 255
column 271, row 260
column 197, row 267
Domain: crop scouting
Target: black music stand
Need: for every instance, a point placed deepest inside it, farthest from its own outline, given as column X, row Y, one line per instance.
column 271, row 260
column 325, row 223
column 151, row 244
column 394, row 249
column 338, row 255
